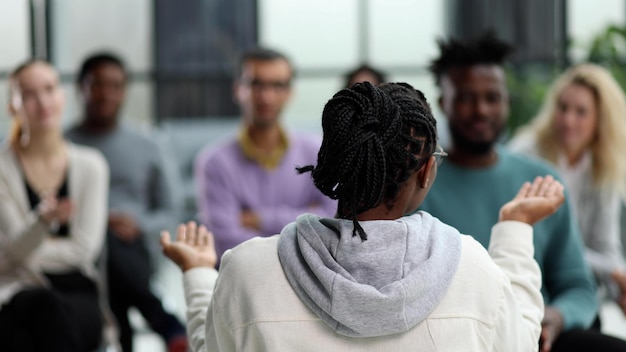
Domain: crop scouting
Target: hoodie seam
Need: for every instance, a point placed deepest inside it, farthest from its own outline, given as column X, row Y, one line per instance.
column 404, row 260
column 332, row 294
column 406, row 248
column 404, row 304
column 481, row 319
column 275, row 320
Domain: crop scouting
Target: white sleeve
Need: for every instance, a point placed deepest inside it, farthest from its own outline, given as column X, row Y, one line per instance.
column 519, row 322
column 199, row 284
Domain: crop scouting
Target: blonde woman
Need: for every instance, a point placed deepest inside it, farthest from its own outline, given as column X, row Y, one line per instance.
column 53, row 206
column 581, row 130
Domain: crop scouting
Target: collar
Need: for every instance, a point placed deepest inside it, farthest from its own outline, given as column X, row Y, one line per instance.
column 583, row 164
column 267, row 160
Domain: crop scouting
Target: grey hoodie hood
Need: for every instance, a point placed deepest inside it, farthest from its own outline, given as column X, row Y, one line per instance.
column 382, row 286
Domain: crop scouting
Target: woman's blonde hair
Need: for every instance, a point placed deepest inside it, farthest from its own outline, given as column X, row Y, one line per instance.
column 608, row 148
column 17, row 129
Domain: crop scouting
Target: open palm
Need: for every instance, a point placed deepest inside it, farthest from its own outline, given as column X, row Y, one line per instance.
column 194, row 247
column 534, row 201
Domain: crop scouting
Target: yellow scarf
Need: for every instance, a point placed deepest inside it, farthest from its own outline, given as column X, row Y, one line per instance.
column 266, row 160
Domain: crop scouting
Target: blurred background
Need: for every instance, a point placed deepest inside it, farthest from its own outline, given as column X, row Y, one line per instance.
column 181, row 53
column 180, row 57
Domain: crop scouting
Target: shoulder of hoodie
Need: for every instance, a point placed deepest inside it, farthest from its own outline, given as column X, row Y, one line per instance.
column 255, row 251
column 477, row 266
column 477, row 291
column 472, row 252
column 247, row 266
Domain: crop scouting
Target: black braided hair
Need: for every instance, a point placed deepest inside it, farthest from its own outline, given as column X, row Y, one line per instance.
column 374, row 139
column 484, row 49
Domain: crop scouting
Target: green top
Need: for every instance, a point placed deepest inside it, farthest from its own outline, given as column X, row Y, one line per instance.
column 470, row 200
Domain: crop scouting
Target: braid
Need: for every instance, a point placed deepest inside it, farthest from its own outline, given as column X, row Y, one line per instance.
column 371, row 139
column 419, row 134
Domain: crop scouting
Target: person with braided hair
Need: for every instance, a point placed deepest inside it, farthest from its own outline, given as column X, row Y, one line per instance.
column 372, row 278
column 480, row 176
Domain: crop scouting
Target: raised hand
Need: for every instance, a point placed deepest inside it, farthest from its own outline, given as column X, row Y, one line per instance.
column 194, row 247
column 54, row 212
column 534, row 201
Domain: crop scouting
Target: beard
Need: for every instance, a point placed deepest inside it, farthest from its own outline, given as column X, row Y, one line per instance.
column 477, row 148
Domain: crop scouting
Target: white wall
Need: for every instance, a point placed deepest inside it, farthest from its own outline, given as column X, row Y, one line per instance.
column 15, row 42
column 324, row 34
column 14, row 33
column 587, row 18
column 317, row 35
column 124, row 27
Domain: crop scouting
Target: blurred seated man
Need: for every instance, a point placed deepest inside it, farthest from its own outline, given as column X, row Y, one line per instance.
column 479, row 177
column 248, row 186
column 140, row 202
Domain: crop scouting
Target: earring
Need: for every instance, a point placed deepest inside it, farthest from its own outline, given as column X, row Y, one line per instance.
column 24, row 134
column 16, row 105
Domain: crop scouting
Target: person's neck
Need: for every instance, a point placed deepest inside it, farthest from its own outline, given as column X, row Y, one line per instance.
column 381, row 212
column 46, row 145
column 470, row 160
column 574, row 157
column 265, row 138
column 91, row 126
column 395, row 209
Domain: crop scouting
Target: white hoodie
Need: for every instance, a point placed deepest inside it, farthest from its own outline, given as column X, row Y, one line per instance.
column 416, row 284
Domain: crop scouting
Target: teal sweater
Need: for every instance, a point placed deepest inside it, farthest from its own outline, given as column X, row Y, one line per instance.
column 470, row 199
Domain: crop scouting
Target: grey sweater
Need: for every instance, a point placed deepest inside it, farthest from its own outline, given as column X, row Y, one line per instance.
column 139, row 185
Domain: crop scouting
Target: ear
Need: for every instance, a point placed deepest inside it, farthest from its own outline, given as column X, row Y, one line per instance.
column 440, row 103
column 425, row 172
column 236, row 92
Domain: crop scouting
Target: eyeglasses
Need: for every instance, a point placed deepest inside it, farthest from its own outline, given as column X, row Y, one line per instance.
column 276, row 86
column 439, row 154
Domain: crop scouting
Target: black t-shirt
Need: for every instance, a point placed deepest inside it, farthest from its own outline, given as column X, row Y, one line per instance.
column 34, row 199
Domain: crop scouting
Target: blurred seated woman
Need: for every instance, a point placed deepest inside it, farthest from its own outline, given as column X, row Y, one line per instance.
column 53, row 204
column 581, row 130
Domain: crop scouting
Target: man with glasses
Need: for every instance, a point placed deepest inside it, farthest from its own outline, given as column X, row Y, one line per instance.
column 248, row 186
column 479, row 176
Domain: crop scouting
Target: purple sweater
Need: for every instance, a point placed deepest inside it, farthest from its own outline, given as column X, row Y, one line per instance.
column 228, row 182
